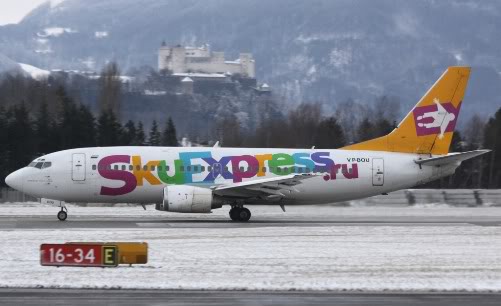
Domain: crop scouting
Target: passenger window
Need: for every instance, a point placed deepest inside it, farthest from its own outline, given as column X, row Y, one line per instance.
column 264, row 169
column 209, row 168
column 124, row 167
column 188, row 168
column 46, row 165
column 226, row 169
column 145, row 168
column 115, row 167
column 195, row 168
column 108, row 167
column 152, row 168
column 131, row 167
column 202, row 168
column 181, row 168
column 166, row 168
column 94, row 167
column 138, row 168
column 242, row 169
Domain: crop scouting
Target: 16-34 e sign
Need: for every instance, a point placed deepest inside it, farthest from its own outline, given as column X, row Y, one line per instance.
column 79, row 255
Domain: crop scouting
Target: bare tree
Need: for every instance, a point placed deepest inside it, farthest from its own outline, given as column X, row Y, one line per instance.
column 110, row 88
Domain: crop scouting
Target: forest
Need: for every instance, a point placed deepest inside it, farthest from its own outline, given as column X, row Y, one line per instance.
column 43, row 116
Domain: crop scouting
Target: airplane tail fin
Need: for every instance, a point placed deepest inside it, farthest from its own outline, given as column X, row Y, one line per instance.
column 428, row 128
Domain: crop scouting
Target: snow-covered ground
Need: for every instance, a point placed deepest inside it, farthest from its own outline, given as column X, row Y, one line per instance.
column 312, row 256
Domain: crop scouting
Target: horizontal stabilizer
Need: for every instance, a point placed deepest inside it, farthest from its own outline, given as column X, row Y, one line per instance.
column 450, row 158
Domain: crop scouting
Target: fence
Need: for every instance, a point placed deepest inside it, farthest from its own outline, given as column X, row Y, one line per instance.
column 456, row 197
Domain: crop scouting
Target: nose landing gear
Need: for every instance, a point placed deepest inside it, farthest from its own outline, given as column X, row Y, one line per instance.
column 240, row 214
column 63, row 213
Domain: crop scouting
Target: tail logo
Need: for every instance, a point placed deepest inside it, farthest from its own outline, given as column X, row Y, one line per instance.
column 435, row 119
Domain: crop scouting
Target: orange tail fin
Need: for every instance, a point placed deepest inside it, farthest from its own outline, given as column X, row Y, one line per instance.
column 428, row 128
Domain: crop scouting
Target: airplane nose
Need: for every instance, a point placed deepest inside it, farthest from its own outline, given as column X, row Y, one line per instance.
column 15, row 180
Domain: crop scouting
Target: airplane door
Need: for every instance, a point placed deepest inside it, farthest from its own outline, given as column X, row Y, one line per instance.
column 217, row 169
column 78, row 168
column 377, row 172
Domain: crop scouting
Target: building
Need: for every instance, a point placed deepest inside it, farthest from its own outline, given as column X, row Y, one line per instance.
column 181, row 60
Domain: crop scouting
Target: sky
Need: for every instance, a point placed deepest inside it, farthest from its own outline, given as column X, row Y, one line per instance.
column 12, row 11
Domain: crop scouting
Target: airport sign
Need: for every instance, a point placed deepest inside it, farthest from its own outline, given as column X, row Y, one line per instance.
column 79, row 255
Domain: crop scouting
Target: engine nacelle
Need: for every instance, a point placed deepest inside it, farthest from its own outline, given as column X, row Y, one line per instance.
column 188, row 199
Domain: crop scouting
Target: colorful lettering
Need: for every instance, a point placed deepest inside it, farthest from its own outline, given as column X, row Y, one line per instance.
column 235, row 168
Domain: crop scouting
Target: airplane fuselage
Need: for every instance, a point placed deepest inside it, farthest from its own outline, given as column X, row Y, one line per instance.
column 139, row 174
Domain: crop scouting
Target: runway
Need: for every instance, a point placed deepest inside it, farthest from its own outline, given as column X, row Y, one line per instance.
column 238, row 298
column 310, row 255
column 44, row 217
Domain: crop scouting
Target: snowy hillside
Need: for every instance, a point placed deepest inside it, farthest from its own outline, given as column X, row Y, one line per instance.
column 318, row 50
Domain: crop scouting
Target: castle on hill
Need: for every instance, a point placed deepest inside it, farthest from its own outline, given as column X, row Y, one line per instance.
column 181, row 60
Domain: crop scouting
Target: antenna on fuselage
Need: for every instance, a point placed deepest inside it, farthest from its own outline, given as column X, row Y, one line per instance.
column 216, row 145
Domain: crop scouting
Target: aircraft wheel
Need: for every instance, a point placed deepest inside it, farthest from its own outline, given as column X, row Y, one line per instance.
column 234, row 213
column 62, row 215
column 244, row 215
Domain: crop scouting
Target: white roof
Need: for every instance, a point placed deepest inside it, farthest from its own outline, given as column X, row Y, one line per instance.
column 187, row 79
column 200, row 75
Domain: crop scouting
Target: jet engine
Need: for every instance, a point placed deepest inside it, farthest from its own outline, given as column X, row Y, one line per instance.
column 188, row 199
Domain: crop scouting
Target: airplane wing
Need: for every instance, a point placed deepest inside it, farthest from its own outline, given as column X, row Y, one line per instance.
column 270, row 189
column 450, row 158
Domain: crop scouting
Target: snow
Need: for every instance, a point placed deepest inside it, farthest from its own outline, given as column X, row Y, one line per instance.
column 340, row 57
column 101, row 34
column 55, row 3
column 148, row 92
column 200, row 75
column 55, row 32
column 35, row 72
column 188, row 253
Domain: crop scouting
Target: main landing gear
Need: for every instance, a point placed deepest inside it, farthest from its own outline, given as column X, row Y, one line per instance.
column 63, row 213
column 240, row 214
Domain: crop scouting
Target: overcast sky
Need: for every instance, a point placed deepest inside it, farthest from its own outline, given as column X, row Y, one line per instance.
column 12, row 11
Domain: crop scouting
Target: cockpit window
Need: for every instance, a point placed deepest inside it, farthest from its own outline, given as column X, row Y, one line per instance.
column 32, row 164
column 39, row 165
column 46, row 165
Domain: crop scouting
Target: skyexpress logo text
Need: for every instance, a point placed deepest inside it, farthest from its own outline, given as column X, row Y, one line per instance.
column 133, row 171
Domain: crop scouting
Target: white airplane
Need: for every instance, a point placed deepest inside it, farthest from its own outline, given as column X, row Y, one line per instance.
column 197, row 180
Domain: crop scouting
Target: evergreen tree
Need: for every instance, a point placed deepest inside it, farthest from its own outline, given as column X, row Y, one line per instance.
column 85, row 128
column 4, row 148
column 21, row 138
column 492, row 140
column 329, row 134
column 67, row 124
column 365, row 130
column 129, row 134
column 383, row 127
column 154, row 137
column 169, row 137
column 140, row 138
column 109, row 130
column 43, row 127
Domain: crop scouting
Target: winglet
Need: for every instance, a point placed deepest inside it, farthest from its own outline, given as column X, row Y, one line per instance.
column 428, row 128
